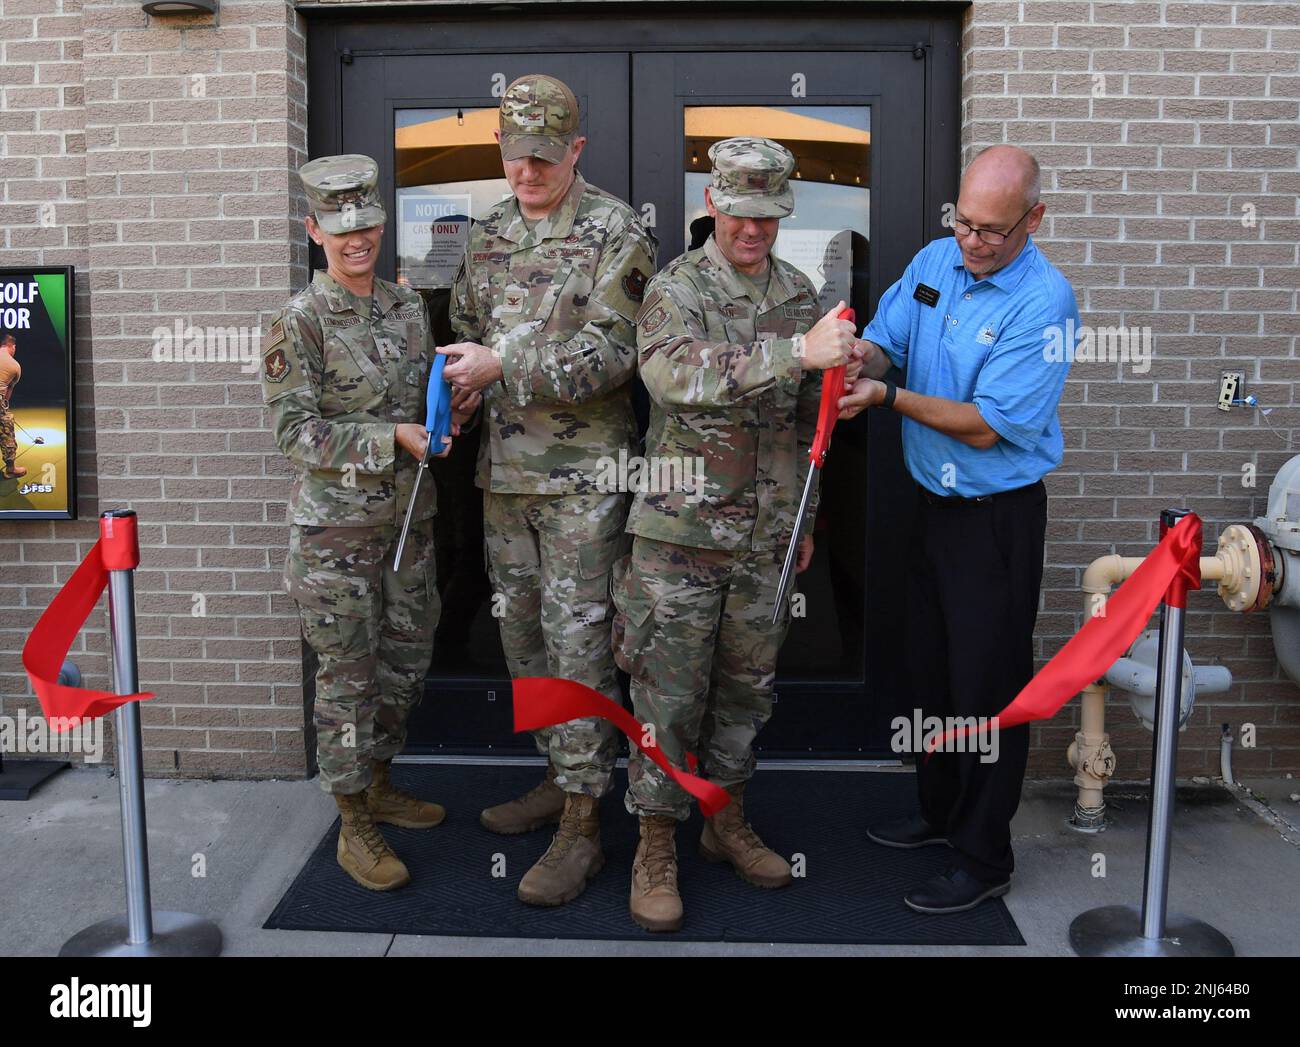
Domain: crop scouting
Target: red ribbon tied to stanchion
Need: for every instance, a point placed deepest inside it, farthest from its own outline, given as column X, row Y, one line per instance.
column 543, row 701
column 1172, row 568
column 48, row 645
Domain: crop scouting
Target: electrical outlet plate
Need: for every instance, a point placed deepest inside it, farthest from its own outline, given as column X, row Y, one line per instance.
column 1232, row 387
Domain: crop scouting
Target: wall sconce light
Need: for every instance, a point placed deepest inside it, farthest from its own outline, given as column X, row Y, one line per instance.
column 180, row 7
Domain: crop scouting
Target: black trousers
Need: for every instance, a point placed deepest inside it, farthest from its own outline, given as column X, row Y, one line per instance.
column 975, row 573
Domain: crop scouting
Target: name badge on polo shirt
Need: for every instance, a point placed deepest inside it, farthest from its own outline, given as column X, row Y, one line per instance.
column 926, row 295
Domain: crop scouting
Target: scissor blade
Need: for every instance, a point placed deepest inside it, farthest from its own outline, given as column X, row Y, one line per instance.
column 410, row 511
column 794, row 545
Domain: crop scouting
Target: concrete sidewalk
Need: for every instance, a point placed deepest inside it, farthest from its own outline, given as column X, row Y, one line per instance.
column 1236, row 863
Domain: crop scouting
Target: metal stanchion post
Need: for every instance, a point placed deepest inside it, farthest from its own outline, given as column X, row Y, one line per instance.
column 141, row 932
column 1121, row 930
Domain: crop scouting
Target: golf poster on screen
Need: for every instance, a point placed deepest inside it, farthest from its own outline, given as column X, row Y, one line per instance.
column 37, row 464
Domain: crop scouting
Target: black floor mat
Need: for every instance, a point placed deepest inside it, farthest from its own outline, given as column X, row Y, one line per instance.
column 851, row 890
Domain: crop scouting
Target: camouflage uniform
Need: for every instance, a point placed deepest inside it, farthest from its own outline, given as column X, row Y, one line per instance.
column 695, row 597
column 10, row 372
column 557, row 303
column 338, row 373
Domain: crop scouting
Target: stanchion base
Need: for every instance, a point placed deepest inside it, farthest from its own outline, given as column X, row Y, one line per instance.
column 174, row 934
column 1116, row 930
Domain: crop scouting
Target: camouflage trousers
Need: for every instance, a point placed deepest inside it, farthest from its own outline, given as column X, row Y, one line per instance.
column 694, row 630
column 371, row 628
column 549, row 558
column 8, row 441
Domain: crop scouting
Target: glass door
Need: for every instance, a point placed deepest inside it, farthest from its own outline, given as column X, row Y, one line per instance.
column 850, row 119
column 429, row 121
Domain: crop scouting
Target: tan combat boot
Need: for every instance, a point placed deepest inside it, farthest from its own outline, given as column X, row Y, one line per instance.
column 727, row 837
column 655, row 903
column 389, row 804
column 541, row 804
column 573, row 858
column 363, row 853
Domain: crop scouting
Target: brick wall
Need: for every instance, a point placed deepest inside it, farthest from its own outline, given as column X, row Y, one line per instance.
column 1160, row 128
column 167, row 144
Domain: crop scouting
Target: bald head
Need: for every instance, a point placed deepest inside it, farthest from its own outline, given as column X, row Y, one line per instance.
column 1006, row 171
column 999, row 197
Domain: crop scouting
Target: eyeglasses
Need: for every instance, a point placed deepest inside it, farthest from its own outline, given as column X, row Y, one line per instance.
column 989, row 236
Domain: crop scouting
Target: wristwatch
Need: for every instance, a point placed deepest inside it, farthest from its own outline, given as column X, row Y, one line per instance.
column 891, row 391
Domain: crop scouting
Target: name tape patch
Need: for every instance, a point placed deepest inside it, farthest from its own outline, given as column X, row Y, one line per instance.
column 341, row 321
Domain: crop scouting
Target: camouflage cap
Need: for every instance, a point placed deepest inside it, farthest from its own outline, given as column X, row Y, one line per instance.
column 343, row 192
column 539, row 114
column 751, row 178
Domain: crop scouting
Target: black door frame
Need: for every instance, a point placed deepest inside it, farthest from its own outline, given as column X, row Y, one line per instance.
column 336, row 35
column 337, row 38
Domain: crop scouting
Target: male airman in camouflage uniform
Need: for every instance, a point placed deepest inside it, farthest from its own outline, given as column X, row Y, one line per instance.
column 545, row 305
column 344, row 371
column 733, row 381
column 10, row 372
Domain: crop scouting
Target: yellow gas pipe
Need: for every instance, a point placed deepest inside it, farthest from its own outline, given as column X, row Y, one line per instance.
column 1242, row 567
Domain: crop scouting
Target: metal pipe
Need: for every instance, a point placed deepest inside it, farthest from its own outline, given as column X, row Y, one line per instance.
column 1225, row 755
column 1090, row 753
column 1093, row 760
column 130, row 767
column 1123, row 930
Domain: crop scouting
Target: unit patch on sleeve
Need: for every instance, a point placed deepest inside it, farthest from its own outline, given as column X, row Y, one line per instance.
column 634, row 285
column 275, row 366
column 654, row 320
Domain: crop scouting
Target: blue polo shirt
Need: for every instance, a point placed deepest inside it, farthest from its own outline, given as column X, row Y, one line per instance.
column 996, row 343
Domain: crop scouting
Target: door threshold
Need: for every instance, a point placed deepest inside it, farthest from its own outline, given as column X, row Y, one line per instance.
column 891, row 766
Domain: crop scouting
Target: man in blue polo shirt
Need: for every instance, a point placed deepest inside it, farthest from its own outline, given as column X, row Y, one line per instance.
column 976, row 323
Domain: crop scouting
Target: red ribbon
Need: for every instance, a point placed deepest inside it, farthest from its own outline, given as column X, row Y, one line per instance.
column 1172, row 568
column 543, row 701
column 51, row 639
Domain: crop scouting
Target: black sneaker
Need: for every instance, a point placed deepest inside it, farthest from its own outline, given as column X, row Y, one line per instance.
column 906, row 833
column 954, row 890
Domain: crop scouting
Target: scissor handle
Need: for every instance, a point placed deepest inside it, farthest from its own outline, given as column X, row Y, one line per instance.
column 437, row 416
column 832, row 390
